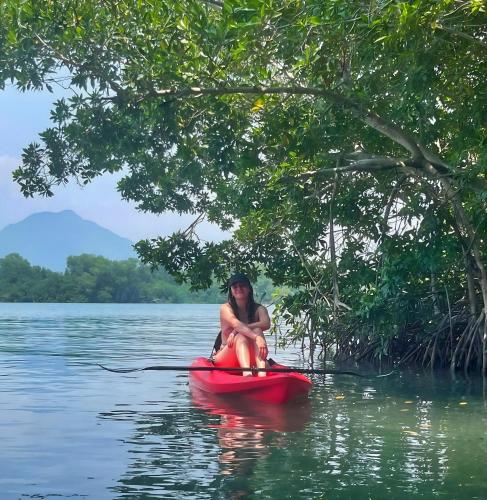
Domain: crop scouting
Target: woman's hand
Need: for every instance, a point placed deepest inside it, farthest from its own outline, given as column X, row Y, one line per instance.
column 262, row 347
column 231, row 339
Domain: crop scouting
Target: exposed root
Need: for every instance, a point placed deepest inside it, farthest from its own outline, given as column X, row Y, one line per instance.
column 458, row 343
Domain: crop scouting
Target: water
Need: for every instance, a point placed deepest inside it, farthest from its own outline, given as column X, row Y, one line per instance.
column 68, row 429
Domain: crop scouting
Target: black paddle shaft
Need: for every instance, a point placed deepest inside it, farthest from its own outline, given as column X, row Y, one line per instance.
column 233, row 369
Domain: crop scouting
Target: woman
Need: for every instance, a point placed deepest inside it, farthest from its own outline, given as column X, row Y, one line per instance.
column 242, row 325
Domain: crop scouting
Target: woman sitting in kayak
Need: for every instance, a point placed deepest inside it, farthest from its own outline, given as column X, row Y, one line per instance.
column 242, row 325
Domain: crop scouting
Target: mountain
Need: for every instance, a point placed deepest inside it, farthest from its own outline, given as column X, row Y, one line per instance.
column 46, row 239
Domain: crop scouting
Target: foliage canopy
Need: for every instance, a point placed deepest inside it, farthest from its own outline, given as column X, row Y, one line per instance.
column 344, row 140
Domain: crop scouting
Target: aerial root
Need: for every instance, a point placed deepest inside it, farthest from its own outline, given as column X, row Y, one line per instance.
column 457, row 343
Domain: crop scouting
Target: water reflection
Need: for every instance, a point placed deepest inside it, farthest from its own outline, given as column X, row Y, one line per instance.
column 244, row 423
column 248, row 431
column 242, row 413
column 201, row 445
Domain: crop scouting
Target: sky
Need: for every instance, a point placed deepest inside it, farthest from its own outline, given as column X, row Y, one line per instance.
column 22, row 117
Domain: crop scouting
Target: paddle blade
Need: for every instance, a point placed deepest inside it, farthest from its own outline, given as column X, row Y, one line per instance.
column 121, row 370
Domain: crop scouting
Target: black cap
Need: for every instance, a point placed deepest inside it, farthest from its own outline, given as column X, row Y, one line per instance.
column 238, row 278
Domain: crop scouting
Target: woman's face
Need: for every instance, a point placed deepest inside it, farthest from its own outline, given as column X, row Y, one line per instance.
column 240, row 291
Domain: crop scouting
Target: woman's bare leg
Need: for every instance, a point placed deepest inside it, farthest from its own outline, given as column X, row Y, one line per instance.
column 243, row 351
column 237, row 355
column 259, row 362
column 226, row 356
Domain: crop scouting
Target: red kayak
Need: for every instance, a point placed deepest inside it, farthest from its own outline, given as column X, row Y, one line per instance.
column 274, row 388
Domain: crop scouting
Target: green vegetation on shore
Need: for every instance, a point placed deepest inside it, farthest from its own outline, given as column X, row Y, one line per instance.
column 90, row 278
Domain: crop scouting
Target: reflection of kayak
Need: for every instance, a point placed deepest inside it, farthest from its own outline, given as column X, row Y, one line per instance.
column 273, row 388
column 243, row 413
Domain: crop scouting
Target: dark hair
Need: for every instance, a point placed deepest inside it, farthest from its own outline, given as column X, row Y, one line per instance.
column 251, row 304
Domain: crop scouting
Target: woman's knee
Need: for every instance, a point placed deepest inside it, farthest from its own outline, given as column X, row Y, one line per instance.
column 241, row 340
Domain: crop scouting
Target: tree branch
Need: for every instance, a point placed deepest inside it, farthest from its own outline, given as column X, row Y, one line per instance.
column 463, row 35
column 216, row 3
column 190, row 231
column 71, row 63
column 370, row 118
column 333, row 257
column 374, row 164
column 390, row 201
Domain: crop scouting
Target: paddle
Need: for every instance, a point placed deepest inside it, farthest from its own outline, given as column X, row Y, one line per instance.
column 308, row 371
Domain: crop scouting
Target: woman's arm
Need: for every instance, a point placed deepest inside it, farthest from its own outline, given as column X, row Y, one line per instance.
column 227, row 317
column 263, row 321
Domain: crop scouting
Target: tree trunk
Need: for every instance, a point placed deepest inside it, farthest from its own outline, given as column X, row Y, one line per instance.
column 333, row 259
column 434, row 294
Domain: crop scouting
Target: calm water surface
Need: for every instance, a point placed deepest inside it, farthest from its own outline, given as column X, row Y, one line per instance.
column 69, row 429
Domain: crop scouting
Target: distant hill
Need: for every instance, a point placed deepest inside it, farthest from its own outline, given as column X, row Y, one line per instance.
column 46, row 239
